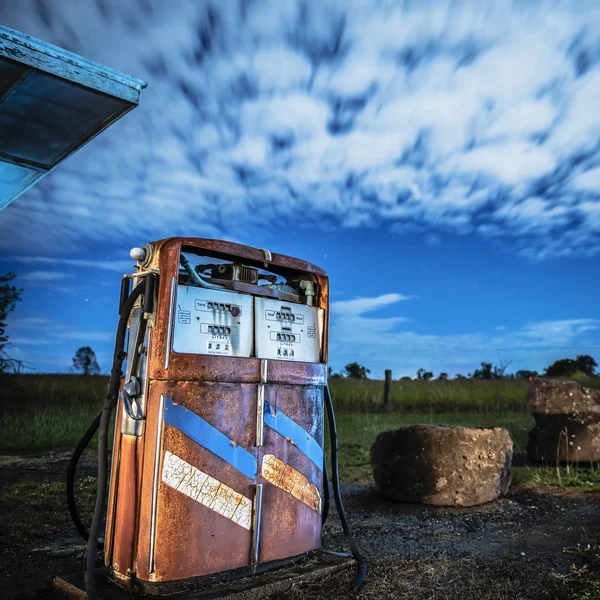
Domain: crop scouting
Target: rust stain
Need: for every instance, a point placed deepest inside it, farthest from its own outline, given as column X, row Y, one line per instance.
column 290, row 480
column 197, row 485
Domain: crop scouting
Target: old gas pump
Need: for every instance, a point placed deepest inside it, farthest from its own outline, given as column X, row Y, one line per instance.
column 218, row 457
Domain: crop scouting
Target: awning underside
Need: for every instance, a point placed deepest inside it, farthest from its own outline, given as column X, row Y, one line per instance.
column 51, row 103
column 42, row 120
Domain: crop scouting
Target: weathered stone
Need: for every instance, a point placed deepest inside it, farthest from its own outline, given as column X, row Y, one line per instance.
column 567, row 418
column 443, row 465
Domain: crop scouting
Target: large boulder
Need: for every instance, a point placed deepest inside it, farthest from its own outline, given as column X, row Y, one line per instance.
column 443, row 465
column 567, row 422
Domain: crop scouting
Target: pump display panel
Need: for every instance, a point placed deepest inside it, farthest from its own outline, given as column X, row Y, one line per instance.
column 212, row 322
column 288, row 331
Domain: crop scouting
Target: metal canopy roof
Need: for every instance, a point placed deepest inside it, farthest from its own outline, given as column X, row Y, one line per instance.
column 52, row 102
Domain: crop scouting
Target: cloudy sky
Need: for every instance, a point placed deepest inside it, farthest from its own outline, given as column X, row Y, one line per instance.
column 440, row 160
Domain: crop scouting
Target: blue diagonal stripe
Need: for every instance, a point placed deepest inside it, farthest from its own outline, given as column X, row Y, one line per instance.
column 202, row 432
column 284, row 426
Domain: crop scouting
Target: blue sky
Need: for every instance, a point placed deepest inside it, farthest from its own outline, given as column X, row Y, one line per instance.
column 440, row 160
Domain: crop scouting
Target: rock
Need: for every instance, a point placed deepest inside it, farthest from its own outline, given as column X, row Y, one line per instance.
column 567, row 422
column 442, row 465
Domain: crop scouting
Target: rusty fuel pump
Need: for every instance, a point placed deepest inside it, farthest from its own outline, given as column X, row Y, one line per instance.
column 218, row 464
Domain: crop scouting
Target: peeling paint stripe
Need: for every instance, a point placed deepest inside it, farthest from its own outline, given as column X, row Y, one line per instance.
column 203, row 433
column 290, row 430
column 290, row 480
column 197, row 485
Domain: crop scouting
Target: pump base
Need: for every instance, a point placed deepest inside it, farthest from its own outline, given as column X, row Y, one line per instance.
column 311, row 566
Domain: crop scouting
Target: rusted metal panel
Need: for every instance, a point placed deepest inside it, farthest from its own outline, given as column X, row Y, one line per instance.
column 112, row 496
column 125, row 516
column 181, row 551
column 210, row 541
column 286, row 478
column 234, row 250
column 293, row 526
column 297, row 373
column 152, row 440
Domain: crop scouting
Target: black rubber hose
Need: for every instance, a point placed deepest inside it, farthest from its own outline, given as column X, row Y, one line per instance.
column 71, row 469
column 112, row 396
column 326, row 495
column 337, row 494
column 150, row 282
column 125, row 285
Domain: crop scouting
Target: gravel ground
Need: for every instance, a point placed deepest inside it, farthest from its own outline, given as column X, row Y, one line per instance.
column 510, row 548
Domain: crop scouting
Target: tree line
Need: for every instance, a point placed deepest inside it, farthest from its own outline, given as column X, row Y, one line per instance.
column 565, row 367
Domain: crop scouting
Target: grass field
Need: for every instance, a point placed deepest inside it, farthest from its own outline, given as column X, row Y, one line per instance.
column 40, row 412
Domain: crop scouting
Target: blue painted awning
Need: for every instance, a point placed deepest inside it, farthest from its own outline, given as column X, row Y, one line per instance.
column 52, row 102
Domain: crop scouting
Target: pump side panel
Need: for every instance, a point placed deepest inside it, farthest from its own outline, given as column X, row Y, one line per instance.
column 204, row 502
column 293, row 481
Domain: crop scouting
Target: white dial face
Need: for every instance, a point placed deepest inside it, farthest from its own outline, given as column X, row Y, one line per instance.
column 212, row 322
column 287, row 331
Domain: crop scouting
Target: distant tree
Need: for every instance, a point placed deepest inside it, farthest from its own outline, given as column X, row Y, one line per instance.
column 484, row 373
column 526, row 374
column 85, row 361
column 332, row 375
column 9, row 296
column 586, row 364
column 406, row 378
column 459, row 376
column 443, row 377
column 423, row 375
column 499, row 371
column 489, row 371
column 356, row 371
column 566, row 367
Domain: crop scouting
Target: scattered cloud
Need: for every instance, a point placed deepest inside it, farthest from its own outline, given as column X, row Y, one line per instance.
column 42, row 330
column 387, row 343
column 44, row 277
column 436, row 117
column 120, row 266
column 556, row 333
column 358, row 306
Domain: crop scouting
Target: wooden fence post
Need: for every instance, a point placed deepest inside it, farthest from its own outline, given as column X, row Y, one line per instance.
column 387, row 392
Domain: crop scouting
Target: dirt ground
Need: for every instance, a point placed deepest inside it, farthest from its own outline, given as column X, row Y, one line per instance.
column 512, row 548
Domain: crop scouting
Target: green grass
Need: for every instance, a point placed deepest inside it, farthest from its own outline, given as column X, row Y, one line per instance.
column 39, row 412
column 434, row 396
column 587, row 553
column 357, row 432
column 564, row 477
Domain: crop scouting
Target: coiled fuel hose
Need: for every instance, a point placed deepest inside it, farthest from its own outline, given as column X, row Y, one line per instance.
column 124, row 312
column 102, row 422
column 337, row 494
